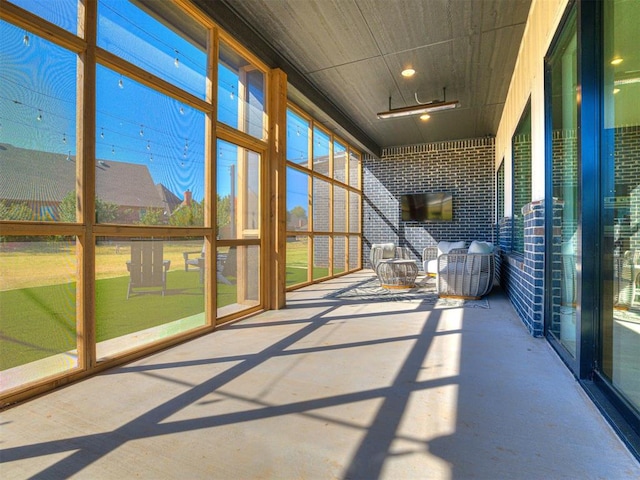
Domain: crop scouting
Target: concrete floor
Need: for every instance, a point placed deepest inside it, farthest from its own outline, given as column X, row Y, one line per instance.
column 326, row 389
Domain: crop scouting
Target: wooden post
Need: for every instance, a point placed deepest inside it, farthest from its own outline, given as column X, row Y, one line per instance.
column 275, row 242
column 85, row 191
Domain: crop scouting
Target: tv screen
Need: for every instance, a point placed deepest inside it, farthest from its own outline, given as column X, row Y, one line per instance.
column 426, row 207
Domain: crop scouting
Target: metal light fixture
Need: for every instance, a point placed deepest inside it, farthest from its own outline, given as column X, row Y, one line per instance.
column 421, row 107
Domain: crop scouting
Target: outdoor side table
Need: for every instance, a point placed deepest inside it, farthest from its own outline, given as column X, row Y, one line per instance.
column 397, row 273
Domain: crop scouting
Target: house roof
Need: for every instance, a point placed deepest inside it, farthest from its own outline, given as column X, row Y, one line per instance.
column 126, row 184
column 33, row 175
column 170, row 200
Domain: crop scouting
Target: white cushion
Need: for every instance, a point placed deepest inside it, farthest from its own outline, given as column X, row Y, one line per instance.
column 430, row 266
column 388, row 250
column 446, row 247
column 474, row 264
column 480, row 247
column 385, row 250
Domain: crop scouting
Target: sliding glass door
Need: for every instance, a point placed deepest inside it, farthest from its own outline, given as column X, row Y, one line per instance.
column 620, row 202
column 562, row 66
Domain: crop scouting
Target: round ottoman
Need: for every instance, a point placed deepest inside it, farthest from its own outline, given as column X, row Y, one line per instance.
column 397, row 273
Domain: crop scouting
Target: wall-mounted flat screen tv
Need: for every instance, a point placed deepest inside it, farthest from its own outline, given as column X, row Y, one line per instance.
column 427, row 207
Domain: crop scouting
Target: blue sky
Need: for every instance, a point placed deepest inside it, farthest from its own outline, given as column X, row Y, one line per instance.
column 134, row 123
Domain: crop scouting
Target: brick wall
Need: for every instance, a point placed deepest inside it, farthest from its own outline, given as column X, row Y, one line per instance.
column 521, row 183
column 522, row 276
column 465, row 168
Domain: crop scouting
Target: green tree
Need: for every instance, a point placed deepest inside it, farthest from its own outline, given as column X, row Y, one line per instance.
column 296, row 216
column 188, row 215
column 105, row 211
column 223, row 210
column 193, row 214
column 67, row 208
column 153, row 216
column 299, row 212
column 15, row 211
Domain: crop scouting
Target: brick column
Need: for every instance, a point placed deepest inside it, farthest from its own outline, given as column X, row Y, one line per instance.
column 523, row 276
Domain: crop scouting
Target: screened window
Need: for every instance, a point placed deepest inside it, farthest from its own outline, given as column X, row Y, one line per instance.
column 355, row 176
column 150, row 155
column 130, row 175
column 355, row 208
column 321, row 205
column 321, row 257
column 64, row 14
column 298, row 248
column 339, row 254
column 38, row 314
column 340, row 162
column 238, row 190
column 38, row 159
column 340, row 214
column 175, row 52
column 298, row 197
column 298, row 139
column 237, row 278
column 354, row 252
column 241, row 93
column 321, row 152
column 144, row 293
column 323, row 202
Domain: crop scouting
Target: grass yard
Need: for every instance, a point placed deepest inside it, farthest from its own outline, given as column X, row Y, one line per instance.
column 38, row 263
column 298, row 263
column 38, row 294
column 38, row 322
column 117, row 316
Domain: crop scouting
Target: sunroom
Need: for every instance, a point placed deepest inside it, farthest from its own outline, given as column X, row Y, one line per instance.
column 169, row 168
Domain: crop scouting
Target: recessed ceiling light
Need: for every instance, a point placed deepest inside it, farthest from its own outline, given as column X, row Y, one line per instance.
column 425, row 117
column 408, row 72
column 616, row 61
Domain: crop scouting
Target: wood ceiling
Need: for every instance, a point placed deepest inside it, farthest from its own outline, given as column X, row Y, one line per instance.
column 352, row 53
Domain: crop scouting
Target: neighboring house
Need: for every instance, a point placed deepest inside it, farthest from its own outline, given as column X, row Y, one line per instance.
column 37, row 179
column 297, row 224
column 41, row 180
column 169, row 199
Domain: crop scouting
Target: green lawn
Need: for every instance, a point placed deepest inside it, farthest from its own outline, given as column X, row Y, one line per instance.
column 39, row 322
column 296, row 275
column 116, row 316
column 298, row 264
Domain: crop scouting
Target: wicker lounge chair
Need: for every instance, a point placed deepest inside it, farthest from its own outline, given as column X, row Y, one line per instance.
column 387, row 251
column 467, row 275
